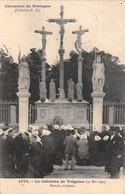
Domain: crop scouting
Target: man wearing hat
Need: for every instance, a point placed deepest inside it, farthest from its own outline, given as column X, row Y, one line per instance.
column 70, row 149
column 3, row 155
column 114, row 150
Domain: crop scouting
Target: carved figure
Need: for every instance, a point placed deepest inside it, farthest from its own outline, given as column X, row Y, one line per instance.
column 98, row 78
column 70, row 83
column 52, row 92
column 42, row 90
column 79, row 91
column 24, row 75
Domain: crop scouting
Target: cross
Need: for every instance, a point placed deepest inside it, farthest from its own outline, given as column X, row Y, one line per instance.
column 61, row 22
column 79, row 33
column 43, row 59
column 78, row 45
column 43, row 33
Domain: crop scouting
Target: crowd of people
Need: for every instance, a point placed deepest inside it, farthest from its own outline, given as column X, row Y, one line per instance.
column 33, row 153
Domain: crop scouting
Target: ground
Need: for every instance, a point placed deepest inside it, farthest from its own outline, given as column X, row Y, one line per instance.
column 81, row 172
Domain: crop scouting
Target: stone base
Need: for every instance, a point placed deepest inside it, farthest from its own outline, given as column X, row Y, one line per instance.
column 74, row 113
column 23, row 110
column 97, row 110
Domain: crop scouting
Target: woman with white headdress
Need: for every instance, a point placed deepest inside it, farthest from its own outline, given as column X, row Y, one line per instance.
column 37, row 159
column 50, row 149
column 83, row 150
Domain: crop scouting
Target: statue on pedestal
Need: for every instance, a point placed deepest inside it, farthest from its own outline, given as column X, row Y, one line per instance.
column 24, row 75
column 70, row 83
column 79, row 91
column 52, row 91
column 98, row 78
column 42, row 90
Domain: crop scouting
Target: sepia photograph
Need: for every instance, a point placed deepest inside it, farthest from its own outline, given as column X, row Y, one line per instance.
column 62, row 91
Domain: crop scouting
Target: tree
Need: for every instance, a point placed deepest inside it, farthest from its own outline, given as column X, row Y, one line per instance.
column 9, row 77
column 114, row 74
column 34, row 62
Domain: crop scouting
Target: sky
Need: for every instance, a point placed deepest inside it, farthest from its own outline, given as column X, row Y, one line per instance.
column 103, row 19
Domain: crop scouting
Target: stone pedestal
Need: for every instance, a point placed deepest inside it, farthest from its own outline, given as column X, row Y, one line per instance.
column 74, row 113
column 97, row 110
column 23, row 110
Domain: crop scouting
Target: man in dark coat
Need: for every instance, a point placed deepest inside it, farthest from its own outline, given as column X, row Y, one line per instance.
column 114, row 150
column 62, row 138
column 10, row 146
column 70, row 149
column 4, row 158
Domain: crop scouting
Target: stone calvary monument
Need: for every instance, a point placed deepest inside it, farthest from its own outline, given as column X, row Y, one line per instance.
column 69, row 110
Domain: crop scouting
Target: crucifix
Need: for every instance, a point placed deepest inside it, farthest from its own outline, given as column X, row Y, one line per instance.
column 61, row 22
column 78, row 46
column 43, row 61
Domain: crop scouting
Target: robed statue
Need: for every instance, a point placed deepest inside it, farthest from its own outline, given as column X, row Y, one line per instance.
column 42, row 90
column 52, row 91
column 70, row 83
column 79, row 88
column 98, row 78
column 24, row 75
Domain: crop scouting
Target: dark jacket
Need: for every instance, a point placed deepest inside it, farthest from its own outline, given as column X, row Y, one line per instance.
column 70, row 145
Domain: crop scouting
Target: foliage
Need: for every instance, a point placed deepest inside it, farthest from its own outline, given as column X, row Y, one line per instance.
column 34, row 61
column 9, row 77
column 114, row 75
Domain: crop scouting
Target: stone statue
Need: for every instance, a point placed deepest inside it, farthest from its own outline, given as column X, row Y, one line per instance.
column 42, row 90
column 79, row 91
column 98, row 78
column 52, row 91
column 70, row 83
column 24, row 75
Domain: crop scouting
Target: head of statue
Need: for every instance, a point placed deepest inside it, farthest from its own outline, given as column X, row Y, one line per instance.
column 23, row 59
column 98, row 59
column 52, row 80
